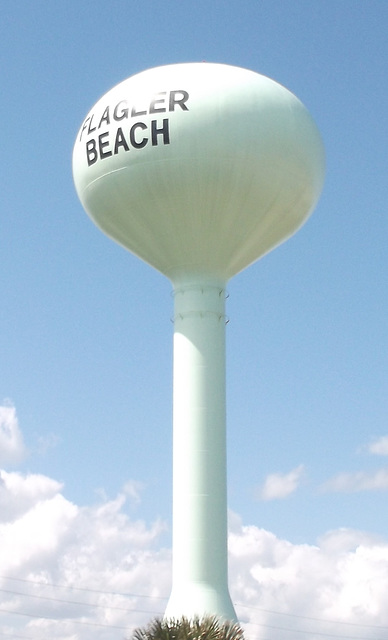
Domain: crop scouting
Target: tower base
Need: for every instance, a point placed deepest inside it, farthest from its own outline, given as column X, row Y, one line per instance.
column 200, row 600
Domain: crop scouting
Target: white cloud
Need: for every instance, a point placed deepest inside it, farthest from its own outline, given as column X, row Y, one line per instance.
column 359, row 481
column 379, row 447
column 92, row 572
column 285, row 590
column 95, row 553
column 12, row 449
column 278, row 486
column 111, row 574
column 20, row 493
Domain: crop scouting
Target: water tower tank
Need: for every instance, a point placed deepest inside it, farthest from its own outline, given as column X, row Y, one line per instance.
column 199, row 169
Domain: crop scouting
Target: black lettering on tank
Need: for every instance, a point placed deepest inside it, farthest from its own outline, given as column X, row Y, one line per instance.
column 84, row 126
column 163, row 130
column 90, row 129
column 91, row 151
column 123, row 113
column 136, row 143
column 102, row 144
column 135, row 113
column 178, row 97
column 105, row 117
column 120, row 141
column 155, row 101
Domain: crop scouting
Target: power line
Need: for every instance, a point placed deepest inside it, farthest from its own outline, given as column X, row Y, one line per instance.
column 294, row 615
column 34, row 615
column 315, row 633
column 101, row 625
column 14, row 635
column 85, row 604
column 266, row 626
column 63, row 586
column 134, row 595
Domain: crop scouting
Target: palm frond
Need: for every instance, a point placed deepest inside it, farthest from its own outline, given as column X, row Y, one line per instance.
column 206, row 628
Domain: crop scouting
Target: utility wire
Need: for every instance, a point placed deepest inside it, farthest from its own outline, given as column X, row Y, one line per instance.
column 63, row 586
column 82, row 622
column 294, row 615
column 84, row 604
column 273, row 627
column 139, row 595
column 107, row 626
column 83, row 589
column 315, row 633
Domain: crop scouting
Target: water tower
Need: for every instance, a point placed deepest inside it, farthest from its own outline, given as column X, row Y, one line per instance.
column 199, row 169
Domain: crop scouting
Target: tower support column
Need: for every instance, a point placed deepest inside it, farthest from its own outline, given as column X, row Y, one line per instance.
column 200, row 562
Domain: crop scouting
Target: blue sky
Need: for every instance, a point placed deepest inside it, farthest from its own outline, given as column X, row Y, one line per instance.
column 85, row 331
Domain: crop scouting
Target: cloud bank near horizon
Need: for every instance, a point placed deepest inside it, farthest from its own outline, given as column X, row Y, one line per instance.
column 70, row 571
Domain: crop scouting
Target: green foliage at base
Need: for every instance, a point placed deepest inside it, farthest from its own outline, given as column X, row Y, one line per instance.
column 207, row 628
